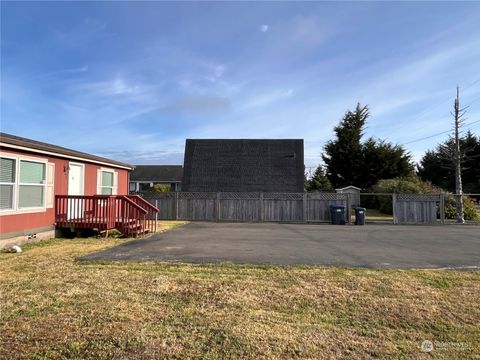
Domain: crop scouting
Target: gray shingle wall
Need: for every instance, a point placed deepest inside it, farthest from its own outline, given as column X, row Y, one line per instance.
column 244, row 165
column 172, row 173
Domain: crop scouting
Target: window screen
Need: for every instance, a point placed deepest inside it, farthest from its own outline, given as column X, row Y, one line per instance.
column 7, row 180
column 7, row 170
column 107, row 178
column 107, row 191
column 6, row 197
column 30, row 196
column 32, row 172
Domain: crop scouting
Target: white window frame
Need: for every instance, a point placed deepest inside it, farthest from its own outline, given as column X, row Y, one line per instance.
column 16, row 188
column 134, row 183
column 100, row 186
column 13, row 184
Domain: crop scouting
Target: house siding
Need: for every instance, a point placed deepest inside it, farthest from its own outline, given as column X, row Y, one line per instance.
column 22, row 222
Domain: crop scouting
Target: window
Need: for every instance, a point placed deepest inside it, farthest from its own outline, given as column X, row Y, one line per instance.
column 7, row 183
column 132, row 186
column 107, row 182
column 145, row 186
column 31, row 188
column 22, row 184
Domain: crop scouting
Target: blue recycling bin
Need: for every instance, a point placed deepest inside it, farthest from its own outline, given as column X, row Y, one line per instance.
column 337, row 214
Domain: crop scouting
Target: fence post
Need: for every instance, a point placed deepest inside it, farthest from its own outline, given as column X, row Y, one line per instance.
column 217, row 206
column 262, row 215
column 305, row 207
column 176, row 205
column 156, row 205
column 394, row 207
column 442, row 208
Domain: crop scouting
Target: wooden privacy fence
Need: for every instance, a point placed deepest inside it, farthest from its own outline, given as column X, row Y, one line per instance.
column 286, row 207
column 246, row 206
column 418, row 208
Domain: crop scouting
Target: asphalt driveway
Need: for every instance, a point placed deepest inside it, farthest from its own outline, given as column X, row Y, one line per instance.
column 386, row 246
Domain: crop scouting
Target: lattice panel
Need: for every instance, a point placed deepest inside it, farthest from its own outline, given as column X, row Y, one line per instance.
column 283, row 196
column 239, row 195
column 157, row 195
column 418, row 197
column 197, row 195
column 327, row 196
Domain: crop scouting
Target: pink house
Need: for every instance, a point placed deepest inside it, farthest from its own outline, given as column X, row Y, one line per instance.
column 44, row 188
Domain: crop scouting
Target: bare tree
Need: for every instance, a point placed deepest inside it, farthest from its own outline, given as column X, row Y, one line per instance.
column 458, row 120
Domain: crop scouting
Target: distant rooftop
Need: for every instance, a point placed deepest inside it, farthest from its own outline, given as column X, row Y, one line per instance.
column 152, row 173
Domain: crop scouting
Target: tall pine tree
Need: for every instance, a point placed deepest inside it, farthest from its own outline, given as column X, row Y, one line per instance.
column 350, row 162
column 342, row 155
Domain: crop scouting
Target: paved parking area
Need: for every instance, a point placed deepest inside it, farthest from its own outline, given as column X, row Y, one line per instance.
column 386, row 246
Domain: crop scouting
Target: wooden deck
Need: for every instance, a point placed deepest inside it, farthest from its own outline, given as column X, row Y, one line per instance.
column 130, row 214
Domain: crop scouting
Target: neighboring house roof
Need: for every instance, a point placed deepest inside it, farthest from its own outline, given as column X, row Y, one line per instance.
column 349, row 187
column 17, row 142
column 243, row 165
column 161, row 173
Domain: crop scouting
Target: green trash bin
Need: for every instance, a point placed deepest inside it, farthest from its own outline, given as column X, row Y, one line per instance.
column 360, row 214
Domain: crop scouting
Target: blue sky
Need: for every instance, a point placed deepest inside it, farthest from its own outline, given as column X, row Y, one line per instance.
column 131, row 81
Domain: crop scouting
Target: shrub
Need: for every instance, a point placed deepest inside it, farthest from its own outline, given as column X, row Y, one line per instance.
column 404, row 185
column 414, row 185
column 470, row 212
column 160, row 188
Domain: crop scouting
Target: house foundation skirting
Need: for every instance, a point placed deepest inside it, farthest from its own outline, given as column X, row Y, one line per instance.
column 26, row 236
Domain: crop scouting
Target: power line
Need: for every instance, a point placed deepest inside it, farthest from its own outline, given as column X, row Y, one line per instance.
column 437, row 134
column 428, row 108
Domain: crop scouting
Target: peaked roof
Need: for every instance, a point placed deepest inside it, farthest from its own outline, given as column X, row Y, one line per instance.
column 172, row 173
column 349, row 187
column 17, row 142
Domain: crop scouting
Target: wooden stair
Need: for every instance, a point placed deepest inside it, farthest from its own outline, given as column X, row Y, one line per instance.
column 132, row 215
column 132, row 228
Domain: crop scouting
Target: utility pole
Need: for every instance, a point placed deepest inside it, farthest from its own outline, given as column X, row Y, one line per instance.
column 458, row 114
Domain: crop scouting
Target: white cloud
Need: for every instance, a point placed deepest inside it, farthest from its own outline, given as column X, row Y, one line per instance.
column 198, row 104
column 218, row 70
column 266, row 98
column 306, row 29
column 115, row 87
column 264, row 28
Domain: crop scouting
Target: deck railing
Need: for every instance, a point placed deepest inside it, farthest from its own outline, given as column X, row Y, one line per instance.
column 127, row 214
column 151, row 216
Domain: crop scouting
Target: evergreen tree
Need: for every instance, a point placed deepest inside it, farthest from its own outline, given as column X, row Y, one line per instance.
column 437, row 166
column 383, row 160
column 341, row 156
column 318, row 182
column 351, row 162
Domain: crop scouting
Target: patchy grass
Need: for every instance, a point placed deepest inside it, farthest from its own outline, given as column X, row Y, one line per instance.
column 376, row 215
column 53, row 307
column 168, row 225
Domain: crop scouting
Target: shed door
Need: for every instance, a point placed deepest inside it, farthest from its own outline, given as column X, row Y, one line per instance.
column 75, row 187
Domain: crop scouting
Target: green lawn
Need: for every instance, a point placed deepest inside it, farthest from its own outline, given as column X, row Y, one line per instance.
column 54, row 307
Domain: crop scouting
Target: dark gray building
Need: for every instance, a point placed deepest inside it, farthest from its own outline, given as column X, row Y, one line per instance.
column 243, row 165
column 143, row 177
